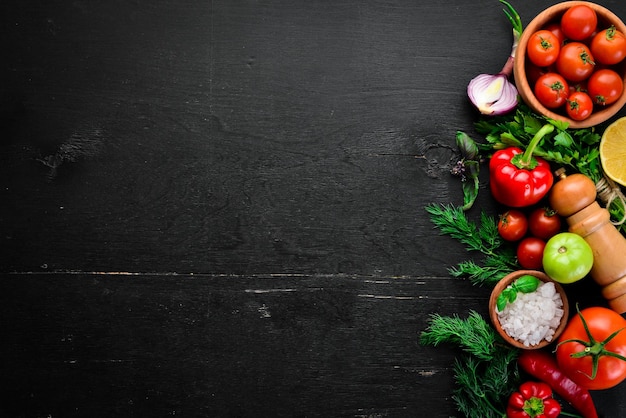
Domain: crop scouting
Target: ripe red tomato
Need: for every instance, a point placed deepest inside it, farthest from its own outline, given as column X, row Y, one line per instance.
column 579, row 22
column 555, row 28
column 543, row 48
column 575, row 61
column 605, row 86
column 609, row 46
column 512, row 225
column 551, row 90
column 533, row 72
column 530, row 253
column 579, row 105
column 544, row 223
column 601, row 323
column 580, row 86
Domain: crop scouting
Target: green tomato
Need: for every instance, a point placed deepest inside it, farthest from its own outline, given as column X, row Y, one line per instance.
column 567, row 257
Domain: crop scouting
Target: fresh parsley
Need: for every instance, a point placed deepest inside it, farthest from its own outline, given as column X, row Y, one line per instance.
column 576, row 150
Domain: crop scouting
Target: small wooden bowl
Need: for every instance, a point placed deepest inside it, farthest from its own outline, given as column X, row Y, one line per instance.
column 507, row 280
column 553, row 14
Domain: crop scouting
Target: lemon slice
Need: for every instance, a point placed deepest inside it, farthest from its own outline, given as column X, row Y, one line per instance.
column 613, row 151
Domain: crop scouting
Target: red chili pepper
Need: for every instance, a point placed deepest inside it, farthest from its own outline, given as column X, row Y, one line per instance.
column 533, row 400
column 518, row 179
column 541, row 365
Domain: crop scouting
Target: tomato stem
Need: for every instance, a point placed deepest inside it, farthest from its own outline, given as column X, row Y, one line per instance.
column 593, row 348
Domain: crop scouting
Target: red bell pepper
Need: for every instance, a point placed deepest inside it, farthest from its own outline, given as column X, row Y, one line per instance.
column 516, row 177
column 533, row 400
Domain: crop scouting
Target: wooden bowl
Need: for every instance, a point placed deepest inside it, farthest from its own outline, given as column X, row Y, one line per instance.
column 553, row 14
column 507, row 280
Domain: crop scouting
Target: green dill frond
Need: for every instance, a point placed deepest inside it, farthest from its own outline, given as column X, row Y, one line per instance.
column 473, row 334
column 488, row 232
column 490, row 274
column 453, row 221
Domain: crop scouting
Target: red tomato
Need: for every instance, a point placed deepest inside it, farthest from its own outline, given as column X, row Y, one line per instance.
column 533, row 72
column 555, row 28
column 530, row 253
column 543, row 48
column 575, row 61
column 601, row 323
column 551, row 90
column 512, row 225
column 580, row 86
column 605, row 86
column 579, row 22
column 579, row 105
column 544, row 223
column 609, row 46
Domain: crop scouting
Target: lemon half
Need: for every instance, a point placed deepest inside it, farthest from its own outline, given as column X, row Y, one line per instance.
column 613, row 151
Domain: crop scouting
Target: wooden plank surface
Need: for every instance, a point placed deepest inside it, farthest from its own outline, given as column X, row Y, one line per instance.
column 215, row 208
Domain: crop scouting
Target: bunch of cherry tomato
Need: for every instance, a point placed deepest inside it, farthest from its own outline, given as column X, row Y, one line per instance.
column 530, row 232
column 573, row 63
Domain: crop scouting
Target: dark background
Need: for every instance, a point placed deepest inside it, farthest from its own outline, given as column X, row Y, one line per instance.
column 216, row 208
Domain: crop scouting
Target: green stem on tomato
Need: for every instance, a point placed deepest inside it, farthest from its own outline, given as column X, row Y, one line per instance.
column 593, row 348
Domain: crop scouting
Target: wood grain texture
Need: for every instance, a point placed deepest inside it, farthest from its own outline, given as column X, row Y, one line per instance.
column 216, row 208
column 106, row 345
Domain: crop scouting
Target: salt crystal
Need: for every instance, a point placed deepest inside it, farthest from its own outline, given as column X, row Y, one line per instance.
column 534, row 316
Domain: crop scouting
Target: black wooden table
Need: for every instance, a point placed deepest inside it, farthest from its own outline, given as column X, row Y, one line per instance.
column 216, row 208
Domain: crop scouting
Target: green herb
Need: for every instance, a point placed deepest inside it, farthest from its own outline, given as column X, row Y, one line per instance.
column 487, row 374
column 473, row 334
column 483, row 388
column 525, row 284
column 468, row 168
column 499, row 259
column 577, row 150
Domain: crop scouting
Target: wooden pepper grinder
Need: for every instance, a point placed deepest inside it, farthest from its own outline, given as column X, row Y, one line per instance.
column 574, row 197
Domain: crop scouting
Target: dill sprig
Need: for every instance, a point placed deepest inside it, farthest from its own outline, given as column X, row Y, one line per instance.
column 492, row 270
column 452, row 221
column 487, row 374
column 482, row 237
column 483, row 387
column 473, row 334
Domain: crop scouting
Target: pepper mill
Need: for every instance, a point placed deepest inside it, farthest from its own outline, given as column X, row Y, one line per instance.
column 574, row 197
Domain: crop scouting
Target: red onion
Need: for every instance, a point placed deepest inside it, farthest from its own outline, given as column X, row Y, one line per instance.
column 494, row 94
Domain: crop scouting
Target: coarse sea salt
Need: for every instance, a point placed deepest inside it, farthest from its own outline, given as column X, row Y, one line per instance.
column 534, row 316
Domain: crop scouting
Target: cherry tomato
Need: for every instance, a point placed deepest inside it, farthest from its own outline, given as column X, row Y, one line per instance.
column 605, row 86
column 530, row 253
column 575, row 61
column 601, row 322
column 512, row 225
column 543, row 48
column 579, row 105
column 580, row 86
column 555, row 28
column 551, row 90
column 609, row 46
column 579, row 22
column 533, row 72
column 544, row 223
